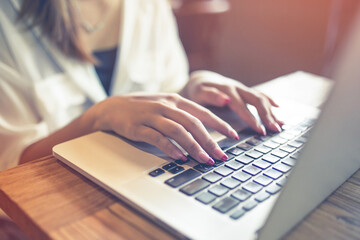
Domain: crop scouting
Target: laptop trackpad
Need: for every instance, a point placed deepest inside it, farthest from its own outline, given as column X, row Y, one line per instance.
column 105, row 156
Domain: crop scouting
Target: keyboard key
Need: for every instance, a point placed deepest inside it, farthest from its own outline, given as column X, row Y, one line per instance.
column 273, row 188
column 241, row 176
column 234, row 165
column 244, row 159
column 288, row 148
column 230, row 156
column 226, row 204
column 230, row 183
column 271, row 144
column 262, row 196
column 252, row 170
column 295, row 155
column 263, row 180
column 295, row 144
column 253, row 154
column 263, row 149
column 202, row 167
column 235, row 151
column 176, row 169
column 218, row 190
column 224, row 171
column 195, row 186
column 289, row 161
column 279, row 140
column 261, row 164
column 263, row 138
column 272, row 173
column 301, row 139
column 252, row 187
column 237, row 214
column 281, row 182
column 206, row 197
column 181, row 162
column 250, row 205
column 156, row 172
column 271, row 158
column 218, row 163
column 287, row 135
column 244, row 146
column 282, row 168
column 253, row 141
column 169, row 166
column 182, row 178
column 279, row 153
column 212, row 177
column 241, row 194
column 227, row 143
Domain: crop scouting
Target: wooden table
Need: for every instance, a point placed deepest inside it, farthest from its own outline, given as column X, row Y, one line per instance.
column 49, row 200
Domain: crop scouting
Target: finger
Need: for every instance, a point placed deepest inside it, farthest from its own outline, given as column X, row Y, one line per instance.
column 176, row 131
column 212, row 96
column 208, row 118
column 272, row 102
column 280, row 122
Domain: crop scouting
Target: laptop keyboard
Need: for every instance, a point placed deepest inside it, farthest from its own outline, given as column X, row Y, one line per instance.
column 257, row 169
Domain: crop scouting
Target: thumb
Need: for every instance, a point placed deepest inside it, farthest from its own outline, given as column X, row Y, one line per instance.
column 212, row 96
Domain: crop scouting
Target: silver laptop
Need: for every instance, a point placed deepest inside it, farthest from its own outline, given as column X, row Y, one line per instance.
column 265, row 188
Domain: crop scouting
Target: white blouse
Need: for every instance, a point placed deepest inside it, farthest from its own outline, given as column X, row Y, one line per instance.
column 41, row 90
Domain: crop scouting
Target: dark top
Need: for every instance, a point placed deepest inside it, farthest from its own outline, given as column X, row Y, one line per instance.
column 105, row 67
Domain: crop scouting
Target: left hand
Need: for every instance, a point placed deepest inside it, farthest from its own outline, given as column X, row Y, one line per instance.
column 211, row 89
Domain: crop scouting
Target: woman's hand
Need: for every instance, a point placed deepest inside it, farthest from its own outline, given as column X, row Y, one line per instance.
column 155, row 118
column 211, row 89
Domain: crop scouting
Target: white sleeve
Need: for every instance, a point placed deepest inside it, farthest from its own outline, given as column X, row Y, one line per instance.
column 19, row 123
column 176, row 64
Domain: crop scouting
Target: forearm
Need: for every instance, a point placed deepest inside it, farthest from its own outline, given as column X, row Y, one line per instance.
column 78, row 127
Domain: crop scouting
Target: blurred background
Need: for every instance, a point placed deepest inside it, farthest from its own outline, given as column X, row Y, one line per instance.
column 257, row 40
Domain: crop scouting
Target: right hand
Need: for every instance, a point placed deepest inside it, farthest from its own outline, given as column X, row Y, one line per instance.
column 156, row 118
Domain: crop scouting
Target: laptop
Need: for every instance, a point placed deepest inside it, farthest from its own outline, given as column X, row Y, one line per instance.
column 268, row 185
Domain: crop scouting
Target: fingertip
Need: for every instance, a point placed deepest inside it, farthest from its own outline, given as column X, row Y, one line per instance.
column 262, row 130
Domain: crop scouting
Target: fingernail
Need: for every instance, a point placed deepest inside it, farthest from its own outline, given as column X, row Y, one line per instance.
column 210, row 162
column 224, row 158
column 226, row 101
column 184, row 158
column 220, row 154
column 263, row 131
column 234, row 134
column 204, row 157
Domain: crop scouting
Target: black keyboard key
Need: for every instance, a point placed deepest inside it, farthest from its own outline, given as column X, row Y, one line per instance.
column 271, row 158
column 263, row 149
column 227, row 143
column 282, row 168
column 250, row 205
column 252, row 170
column 263, row 180
column 237, row 214
column 295, row 144
column 195, row 186
column 202, row 167
column 272, row 173
column 156, row 172
column 271, row 144
column 206, row 197
column 244, row 146
column 235, row 151
column 234, row 165
column 182, row 178
column 253, row 141
column 279, row 153
column 176, row 169
column 261, row 164
column 212, row 177
column 218, row 190
column 273, row 188
column 223, row 171
column 241, row 194
column 254, row 154
column 181, row 162
column 169, row 166
column 288, row 148
column 252, row 187
column 244, row 159
column 224, row 205
column 230, row 183
column 241, row 176
column 281, row 182
column 262, row 196
column 289, row 161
